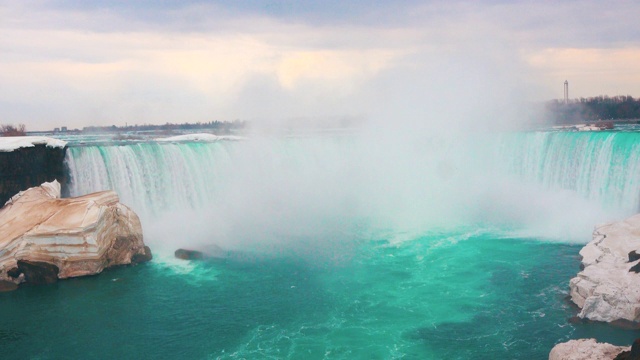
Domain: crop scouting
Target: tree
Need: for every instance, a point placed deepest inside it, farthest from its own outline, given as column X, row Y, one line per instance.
column 10, row 130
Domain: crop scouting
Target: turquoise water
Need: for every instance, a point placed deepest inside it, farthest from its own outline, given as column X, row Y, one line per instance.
column 446, row 296
column 339, row 248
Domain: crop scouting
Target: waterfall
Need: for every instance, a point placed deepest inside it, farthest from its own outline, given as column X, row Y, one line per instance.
column 149, row 176
column 258, row 188
column 599, row 166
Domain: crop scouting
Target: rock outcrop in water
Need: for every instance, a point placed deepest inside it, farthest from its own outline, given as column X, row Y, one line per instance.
column 608, row 289
column 585, row 349
column 185, row 254
column 209, row 252
column 44, row 238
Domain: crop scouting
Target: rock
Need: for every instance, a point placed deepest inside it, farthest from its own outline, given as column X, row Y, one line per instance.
column 140, row 258
column 606, row 125
column 606, row 290
column 185, row 254
column 27, row 161
column 37, row 272
column 7, row 286
column 633, row 256
column 585, row 349
column 207, row 252
column 633, row 354
column 575, row 320
column 78, row 236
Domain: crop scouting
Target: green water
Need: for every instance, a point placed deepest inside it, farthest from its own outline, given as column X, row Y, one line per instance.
column 442, row 296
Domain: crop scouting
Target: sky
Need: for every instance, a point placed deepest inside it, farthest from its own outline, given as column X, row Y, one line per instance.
column 82, row 63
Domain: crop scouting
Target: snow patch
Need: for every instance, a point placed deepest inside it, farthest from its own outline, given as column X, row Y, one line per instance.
column 11, row 143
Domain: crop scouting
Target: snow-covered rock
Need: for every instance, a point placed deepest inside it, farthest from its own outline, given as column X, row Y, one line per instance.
column 11, row 143
column 606, row 290
column 585, row 349
column 80, row 236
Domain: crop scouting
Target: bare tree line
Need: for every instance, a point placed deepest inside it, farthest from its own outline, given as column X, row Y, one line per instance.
column 11, row 130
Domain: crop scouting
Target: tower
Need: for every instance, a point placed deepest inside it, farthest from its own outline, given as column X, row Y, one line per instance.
column 566, row 92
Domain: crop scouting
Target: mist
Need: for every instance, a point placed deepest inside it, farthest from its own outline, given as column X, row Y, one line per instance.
column 425, row 157
column 427, row 106
column 324, row 193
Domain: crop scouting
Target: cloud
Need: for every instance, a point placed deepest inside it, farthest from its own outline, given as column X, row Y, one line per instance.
column 89, row 63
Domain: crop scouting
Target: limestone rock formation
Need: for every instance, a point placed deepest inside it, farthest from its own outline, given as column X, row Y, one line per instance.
column 44, row 237
column 585, row 349
column 606, row 290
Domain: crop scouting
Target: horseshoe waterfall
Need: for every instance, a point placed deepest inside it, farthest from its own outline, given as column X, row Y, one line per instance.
column 340, row 246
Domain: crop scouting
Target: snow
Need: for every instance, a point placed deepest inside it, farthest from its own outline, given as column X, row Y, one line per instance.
column 11, row 143
column 199, row 137
column 606, row 290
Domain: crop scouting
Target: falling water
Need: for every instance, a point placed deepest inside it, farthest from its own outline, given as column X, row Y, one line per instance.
column 340, row 247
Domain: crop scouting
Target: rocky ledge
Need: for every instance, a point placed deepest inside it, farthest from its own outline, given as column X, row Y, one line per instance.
column 589, row 349
column 44, row 238
column 608, row 287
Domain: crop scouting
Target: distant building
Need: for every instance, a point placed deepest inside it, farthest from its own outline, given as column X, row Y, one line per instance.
column 63, row 129
column 566, row 91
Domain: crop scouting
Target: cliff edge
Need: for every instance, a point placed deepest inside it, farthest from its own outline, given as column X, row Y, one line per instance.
column 27, row 161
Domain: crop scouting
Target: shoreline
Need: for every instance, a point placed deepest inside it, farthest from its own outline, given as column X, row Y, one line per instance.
column 606, row 290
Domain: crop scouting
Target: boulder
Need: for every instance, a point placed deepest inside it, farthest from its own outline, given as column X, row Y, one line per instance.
column 144, row 257
column 606, row 290
column 44, row 238
column 209, row 251
column 185, row 254
column 585, row 349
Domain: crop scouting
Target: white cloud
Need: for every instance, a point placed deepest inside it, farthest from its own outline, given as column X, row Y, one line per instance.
column 102, row 65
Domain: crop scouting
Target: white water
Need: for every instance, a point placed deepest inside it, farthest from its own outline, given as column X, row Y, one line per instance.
column 266, row 191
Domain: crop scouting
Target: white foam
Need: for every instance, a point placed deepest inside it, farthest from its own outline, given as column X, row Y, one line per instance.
column 11, row 143
column 194, row 271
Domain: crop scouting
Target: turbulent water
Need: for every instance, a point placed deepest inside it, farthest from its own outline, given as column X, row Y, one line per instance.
column 339, row 247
